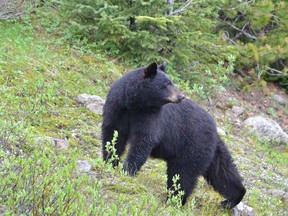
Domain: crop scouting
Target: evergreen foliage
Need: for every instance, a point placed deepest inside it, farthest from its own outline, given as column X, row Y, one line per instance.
column 180, row 32
column 192, row 36
column 259, row 29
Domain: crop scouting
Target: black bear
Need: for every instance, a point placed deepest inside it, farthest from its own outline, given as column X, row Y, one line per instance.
column 150, row 113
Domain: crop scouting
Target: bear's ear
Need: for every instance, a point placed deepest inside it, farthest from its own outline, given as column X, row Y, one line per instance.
column 163, row 66
column 151, row 70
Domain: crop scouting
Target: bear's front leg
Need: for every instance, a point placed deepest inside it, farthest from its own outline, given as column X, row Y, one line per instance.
column 137, row 156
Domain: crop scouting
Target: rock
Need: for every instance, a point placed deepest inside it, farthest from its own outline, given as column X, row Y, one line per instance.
column 280, row 194
column 237, row 110
column 95, row 108
column 3, row 211
column 87, row 99
column 242, row 210
column 279, row 99
column 93, row 103
column 59, row 143
column 84, row 166
column 221, row 132
column 285, row 196
column 267, row 129
column 3, row 146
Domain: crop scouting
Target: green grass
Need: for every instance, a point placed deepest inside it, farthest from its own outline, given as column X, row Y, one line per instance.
column 39, row 80
column 40, row 74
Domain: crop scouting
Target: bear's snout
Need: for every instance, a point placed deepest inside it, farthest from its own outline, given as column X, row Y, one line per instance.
column 176, row 97
column 181, row 97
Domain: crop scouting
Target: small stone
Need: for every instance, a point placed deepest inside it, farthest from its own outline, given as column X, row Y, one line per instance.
column 280, row 194
column 267, row 129
column 59, row 143
column 87, row 99
column 95, row 108
column 279, row 99
column 285, row 196
column 93, row 103
column 242, row 210
column 237, row 110
column 3, row 210
column 84, row 166
column 221, row 132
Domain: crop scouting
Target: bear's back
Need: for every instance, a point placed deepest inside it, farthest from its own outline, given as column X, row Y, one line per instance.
column 187, row 113
column 189, row 129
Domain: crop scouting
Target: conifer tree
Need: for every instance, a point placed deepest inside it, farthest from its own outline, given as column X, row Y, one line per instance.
column 194, row 36
column 141, row 31
column 259, row 29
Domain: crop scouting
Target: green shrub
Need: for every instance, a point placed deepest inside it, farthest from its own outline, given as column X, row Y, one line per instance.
column 175, row 194
column 45, row 183
column 259, row 29
column 139, row 32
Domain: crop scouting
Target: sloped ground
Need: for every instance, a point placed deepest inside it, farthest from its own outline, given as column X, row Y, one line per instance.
column 263, row 165
column 40, row 76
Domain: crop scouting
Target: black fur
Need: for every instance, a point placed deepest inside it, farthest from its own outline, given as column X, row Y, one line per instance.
column 152, row 115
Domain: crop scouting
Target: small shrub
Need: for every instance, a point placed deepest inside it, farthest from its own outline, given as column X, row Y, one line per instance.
column 45, row 183
column 110, row 147
column 175, row 194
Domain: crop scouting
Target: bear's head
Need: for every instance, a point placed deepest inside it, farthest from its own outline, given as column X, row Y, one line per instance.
column 153, row 88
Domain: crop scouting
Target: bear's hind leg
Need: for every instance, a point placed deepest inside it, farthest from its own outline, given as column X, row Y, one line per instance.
column 188, row 179
column 224, row 177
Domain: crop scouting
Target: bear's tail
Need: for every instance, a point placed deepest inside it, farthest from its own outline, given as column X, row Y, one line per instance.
column 225, row 178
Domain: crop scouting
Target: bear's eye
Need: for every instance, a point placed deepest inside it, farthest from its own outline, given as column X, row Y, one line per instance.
column 169, row 83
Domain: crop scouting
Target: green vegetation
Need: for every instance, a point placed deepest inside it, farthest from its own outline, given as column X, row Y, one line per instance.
column 111, row 149
column 44, row 64
column 191, row 35
column 174, row 194
column 150, row 31
column 259, row 31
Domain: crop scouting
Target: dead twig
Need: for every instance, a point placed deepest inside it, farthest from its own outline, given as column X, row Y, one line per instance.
column 10, row 9
column 179, row 10
column 241, row 30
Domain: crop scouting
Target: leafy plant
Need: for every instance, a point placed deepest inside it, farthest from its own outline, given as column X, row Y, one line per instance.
column 45, row 183
column 175, row 194
column 110, row 148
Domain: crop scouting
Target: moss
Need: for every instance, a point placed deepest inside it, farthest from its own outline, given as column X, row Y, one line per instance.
column 127, row 188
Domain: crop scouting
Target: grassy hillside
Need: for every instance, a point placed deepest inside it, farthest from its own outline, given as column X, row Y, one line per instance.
column 40, row 75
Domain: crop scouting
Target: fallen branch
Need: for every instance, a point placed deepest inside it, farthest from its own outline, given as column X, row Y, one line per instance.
column 10, row 9
column 278, row 72
column 229, row 40
column 266, row 69
column 241, row 30
column 171, row 13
